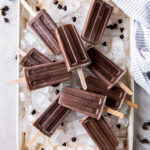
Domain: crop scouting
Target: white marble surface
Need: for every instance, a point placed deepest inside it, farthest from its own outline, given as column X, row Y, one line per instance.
column 8, row 71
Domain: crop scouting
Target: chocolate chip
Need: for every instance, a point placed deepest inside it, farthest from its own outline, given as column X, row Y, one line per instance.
column 145, row 126
column 55, row 2
column 115, row 26
column 73, row 139
column 74, row 19
column 33, row 112
column 144, row 141
column 62, row 124
column 16, row 57
column 104, row 44
column 148, row 123
column 6, row 20
column 118, row 126
column 3, row 13
column 122, row 36
column 37, row 8
column 5, row 8
column 59, row 6
column 65, row 8
column 42, row 148
column 54, row 60
column 109, row 114
column 64, row 144
column 55, row 85
column 121, row 30
column 110, row 27
column 119, row 21
column 57, row 92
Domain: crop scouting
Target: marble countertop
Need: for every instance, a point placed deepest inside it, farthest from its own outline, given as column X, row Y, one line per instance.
column 8, row 95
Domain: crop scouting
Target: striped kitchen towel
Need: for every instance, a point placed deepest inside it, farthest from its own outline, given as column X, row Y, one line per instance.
column 139, row 10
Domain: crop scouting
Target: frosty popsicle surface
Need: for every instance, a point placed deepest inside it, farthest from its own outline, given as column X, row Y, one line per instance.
column 96, row 21
column 43, row 75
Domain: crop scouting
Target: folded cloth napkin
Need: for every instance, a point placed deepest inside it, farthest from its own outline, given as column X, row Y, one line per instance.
column 139, row 10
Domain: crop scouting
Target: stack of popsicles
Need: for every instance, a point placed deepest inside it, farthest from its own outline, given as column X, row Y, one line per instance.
column 98, row 94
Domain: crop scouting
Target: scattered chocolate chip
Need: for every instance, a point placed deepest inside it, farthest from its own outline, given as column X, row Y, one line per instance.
column 109, row 114
column 55, row 85
column 6, row 20
column 65, row 8
column 64, row 144
column 57, row 92
column 37, row 8
column 145, row 126
column 74, row 19
column 122, row 36
column 119, row 21
column 110, row 27
column 62, row 124
column 115, row 25
column 33, row 112
column 104, row 44
column 144, row 141
column 5, row 8
column 73, row 139
column 59, row 6
column 55, row 2
column 3, row 13
column 42, row 148
column 16, row 57
column 121, row 30
column 148, row 123
column 118, row 126
column 54, row 60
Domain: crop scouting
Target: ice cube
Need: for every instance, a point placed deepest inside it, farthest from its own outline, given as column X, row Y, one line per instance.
column 58, row 137
column 124, row 109
column 123, row 121
column 30, row 38
column 118, row 50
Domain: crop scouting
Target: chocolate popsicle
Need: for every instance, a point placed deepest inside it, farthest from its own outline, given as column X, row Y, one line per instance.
column 96, row 21
column 73, row 50
column 32, row 58
column 85, row 102
column 100, row 133
column 107, row 71
column 44, row 27
column 115, row 95
column 43, row 75
column 49, row 120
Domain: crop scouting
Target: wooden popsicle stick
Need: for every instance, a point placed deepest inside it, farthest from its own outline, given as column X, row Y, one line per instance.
column 29, row 143
column 131, row 104
column 28, row 8
column 82, row 78
column 114, row 112
column 20, row 80
column 125, row 88
column 20, row 51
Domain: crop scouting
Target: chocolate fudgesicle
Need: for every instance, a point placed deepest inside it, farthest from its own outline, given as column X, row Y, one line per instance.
column 34, row 57
column 100, row 133
column 72, row 48
column 85, row 102
column 44, row 27
column 46, row 74
column 107, row 71
column 51, row 118
column 115, row 95
column 96, row 21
